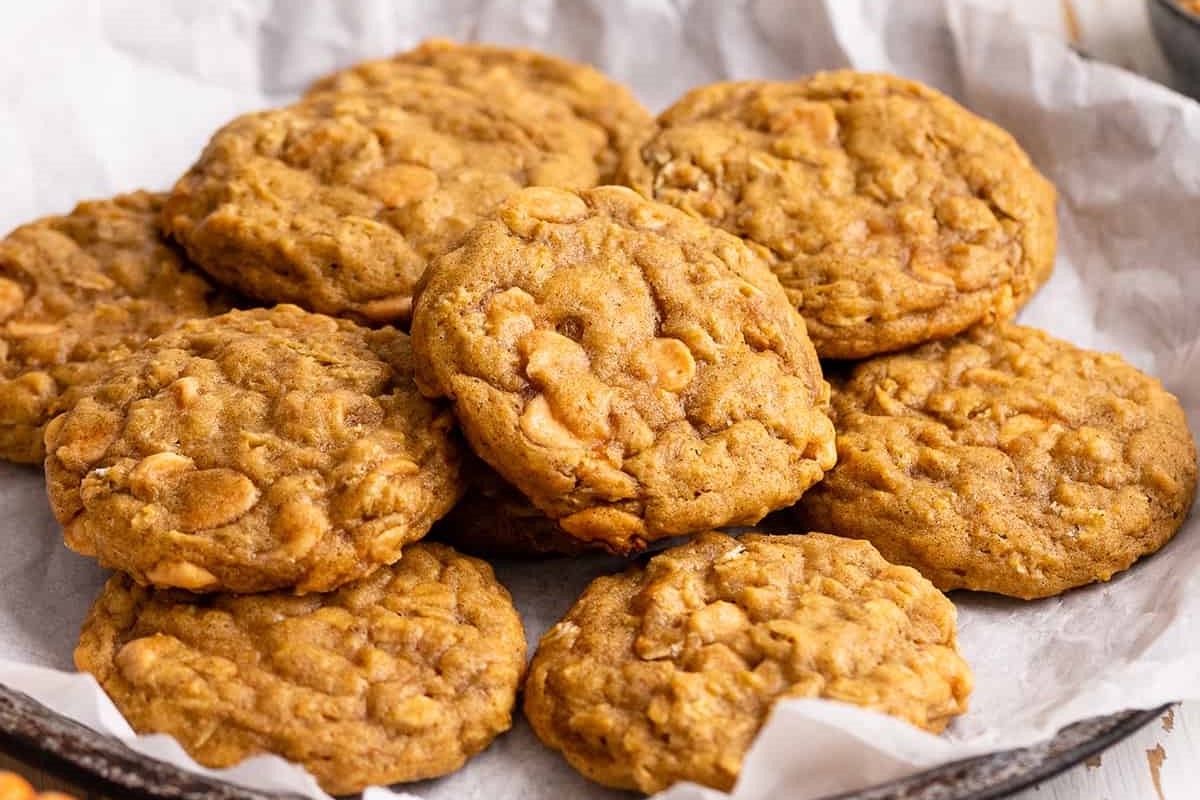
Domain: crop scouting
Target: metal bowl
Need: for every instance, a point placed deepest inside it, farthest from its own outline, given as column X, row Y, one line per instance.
column 1178, row 33
column 33, row 734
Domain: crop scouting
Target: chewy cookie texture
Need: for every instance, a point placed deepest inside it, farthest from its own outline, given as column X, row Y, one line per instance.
column 666, row 672
column 550, row 87
column 624, row 365
column 337, row 203
column 891, row 214
column 402, row 675
column 76, row 290
column 260, row 449
column 1008, row 461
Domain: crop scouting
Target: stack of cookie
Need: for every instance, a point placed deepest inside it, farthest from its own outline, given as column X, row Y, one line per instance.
column 623, row 318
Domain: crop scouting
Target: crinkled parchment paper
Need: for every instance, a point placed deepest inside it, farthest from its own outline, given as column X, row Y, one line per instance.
column 101, row 99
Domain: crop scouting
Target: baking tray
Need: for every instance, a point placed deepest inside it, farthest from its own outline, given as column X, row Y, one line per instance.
column 102, row 765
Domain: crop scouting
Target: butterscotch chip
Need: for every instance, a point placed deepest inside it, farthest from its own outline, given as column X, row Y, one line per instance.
column 399, row 676
column 634, row 372
column 533, row 83
column 74, row 290
column 666, row 672
column 337, row 203
column 252, row 451
column 1007, row 461
column 892, row 215
column 493, row 519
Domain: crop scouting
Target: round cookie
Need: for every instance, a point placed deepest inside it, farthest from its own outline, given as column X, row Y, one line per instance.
column 337, row 203
column 515, row 76
column 399, row 676
column 1008, row 461
column 892, row 215
column 634, row 372
column 666, row 672
column 495, row 520
column 252, row 451
column 74, row 290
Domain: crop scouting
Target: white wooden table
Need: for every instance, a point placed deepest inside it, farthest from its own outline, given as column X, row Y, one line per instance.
column 1161, row 762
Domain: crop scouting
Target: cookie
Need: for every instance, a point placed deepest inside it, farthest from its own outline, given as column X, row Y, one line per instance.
column 399, row 676
column 666, row 672
column 1007, row 461
column 253, row 451
column 493, row 519
column 634, row 372
column 892, row 215
column 75, row 289
column 522, row 79
column 337, row 203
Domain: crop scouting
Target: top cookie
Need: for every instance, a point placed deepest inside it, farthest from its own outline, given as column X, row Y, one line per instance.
column 74, row 290
column 337, row 203
column 635, row 372
column 1007, row 461
column 521, row 79
column 666, row 672
column 252, row 451
column 892, row 214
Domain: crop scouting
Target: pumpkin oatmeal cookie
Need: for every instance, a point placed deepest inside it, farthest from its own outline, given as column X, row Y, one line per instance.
column 494, row 520
column 666, row 672
column 892, row 215
column 1008, row 461
column 634, row 372
column 399, row 676
column 535, row 83
column 257, row 450
column 74, row 290
column 338, row 202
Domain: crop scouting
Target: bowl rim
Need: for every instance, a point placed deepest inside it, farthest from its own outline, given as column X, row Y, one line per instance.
column 38, row 737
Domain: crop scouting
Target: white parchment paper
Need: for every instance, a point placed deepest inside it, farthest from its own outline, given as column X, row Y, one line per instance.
column 96, row 99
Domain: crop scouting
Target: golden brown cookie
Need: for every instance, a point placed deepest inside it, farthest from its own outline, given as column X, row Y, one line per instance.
column 399, row 676
column 252, row 451
column 892, row 215
column 493, row 519
column 337, row 203
column 524, row 80
column 634, row 372
column 1008, row 461
column 666, row 672
column 74, row 290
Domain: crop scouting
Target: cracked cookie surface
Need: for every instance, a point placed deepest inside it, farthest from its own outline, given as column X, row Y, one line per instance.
column 337, row 203
column 534, row 82
column 666, row 672
column 257, row 450
column 1008, row 461
column 892, row 215
column 74, row 290
column 399, row 676
column 634, row 372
